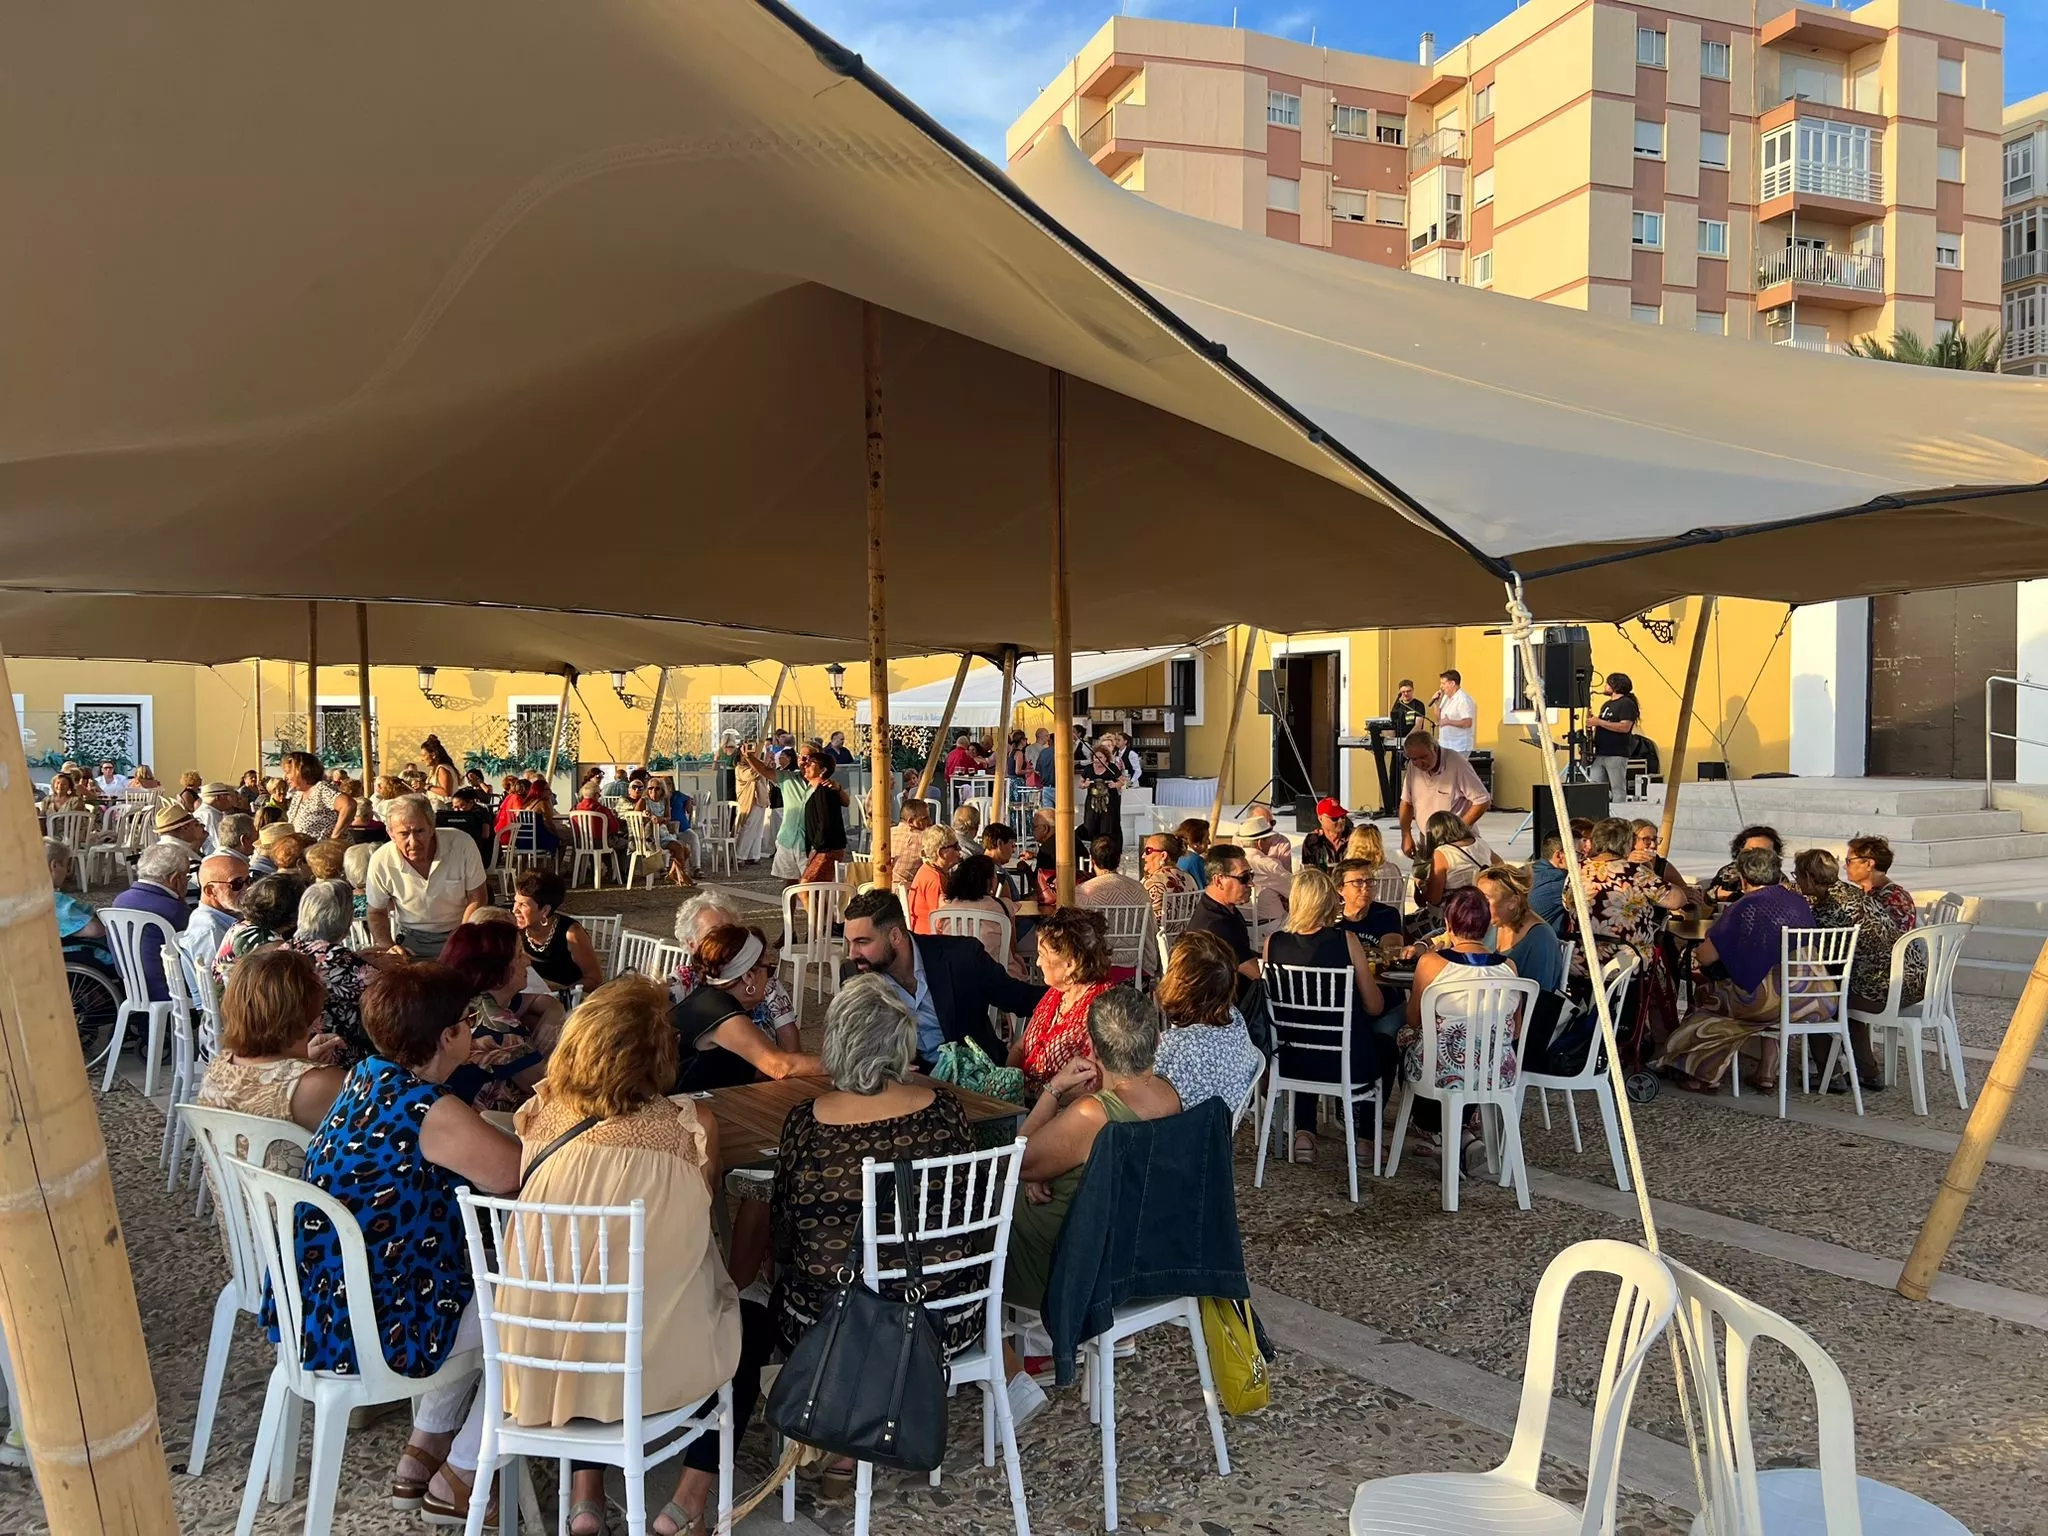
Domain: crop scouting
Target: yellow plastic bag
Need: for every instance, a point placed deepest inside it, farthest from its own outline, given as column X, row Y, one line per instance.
column 1243, row 1385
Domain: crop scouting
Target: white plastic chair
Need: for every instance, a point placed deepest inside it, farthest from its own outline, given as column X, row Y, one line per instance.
column 642, row 846
column 1176, row 910
column 592, row 847
column 1718, row 1323
column 604, row 938
column 74, row 829
column 546, row 1271
column 1813, row 977
column 1596, row 1077
column 662, row 963
column 1099, row 1364
column 219, row 1135
column 1495, row 1011
column 205, row 995
column 968, row 1197
column 1314, row 1011
column 128, row 837
column 1945, row 908
column 1904, row 1026
column 270, row 1199
column 818, row 902
column 963, row 787
column 717, row 829
column 184, row 1078
column 359, row 935
column 1391, row 886
column 125, row 931
column 636, row 953
column 1131, row 944
column 991, row 929
column 1504, row 1502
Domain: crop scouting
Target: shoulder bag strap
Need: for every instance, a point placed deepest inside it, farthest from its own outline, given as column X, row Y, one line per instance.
column 913, row 1296
column 555, row 1146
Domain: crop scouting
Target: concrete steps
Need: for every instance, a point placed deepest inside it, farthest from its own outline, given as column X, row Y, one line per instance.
column 1930, row 827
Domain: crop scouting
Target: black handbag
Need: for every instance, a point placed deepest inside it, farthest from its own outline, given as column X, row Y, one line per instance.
column 869, row 1379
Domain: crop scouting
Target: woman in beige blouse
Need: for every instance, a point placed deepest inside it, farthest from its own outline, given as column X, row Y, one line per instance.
column 615, row 1060
column 271, row 1061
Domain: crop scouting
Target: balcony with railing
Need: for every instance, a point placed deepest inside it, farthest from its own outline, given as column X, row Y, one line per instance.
column 1820, row 157
column 1850, row 278
column 1811, row 344
column 1110, row 139
column 2026, row 264
column 1444, row 144
column 2026, row 342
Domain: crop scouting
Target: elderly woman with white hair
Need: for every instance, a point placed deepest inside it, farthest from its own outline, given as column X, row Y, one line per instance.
column 878, row 1107
column 775, row 1014
column 325, row 912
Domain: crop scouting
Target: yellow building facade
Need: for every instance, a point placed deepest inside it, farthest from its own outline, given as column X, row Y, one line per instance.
column 205, row 718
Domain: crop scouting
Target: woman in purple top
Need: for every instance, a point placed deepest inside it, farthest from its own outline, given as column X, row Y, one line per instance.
column 1737, row 1000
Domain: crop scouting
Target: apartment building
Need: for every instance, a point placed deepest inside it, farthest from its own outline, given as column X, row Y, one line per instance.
column 1793, row 175
column 2024, row 270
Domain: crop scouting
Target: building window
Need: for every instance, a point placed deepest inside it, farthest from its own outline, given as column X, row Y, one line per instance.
column 1351, row 122
column 1482, row 104
column 1810, row 80
column 1648, row 314
column 1948, row 250
column 1389, row 129
column 1647, row 229
column 2019, row 167
column 1948, row 76
column 1709, row 324
column 1649, row 140
column 1650, row 47
column 1132, row 177
column 1283, row 195
column 1348, row 206
column 1482, row 187
column 1714, row 151
column 1387, row 208
column 1713, row 60
column 1943, row 329
column 1948, row 162
column 1283, row 109
column 1482, row 269
column 1714, row 237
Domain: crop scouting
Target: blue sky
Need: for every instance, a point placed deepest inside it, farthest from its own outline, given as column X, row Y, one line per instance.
column 975, row 64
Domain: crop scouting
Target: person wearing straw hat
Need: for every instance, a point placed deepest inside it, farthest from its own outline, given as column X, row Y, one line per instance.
column 180, row 829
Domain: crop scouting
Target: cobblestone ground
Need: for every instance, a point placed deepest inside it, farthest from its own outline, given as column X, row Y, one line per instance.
column 1950, row 1403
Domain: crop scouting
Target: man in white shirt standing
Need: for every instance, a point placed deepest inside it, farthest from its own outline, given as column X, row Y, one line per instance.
column 1457, row 717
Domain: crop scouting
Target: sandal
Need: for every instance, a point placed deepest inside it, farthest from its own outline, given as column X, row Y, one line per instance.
column 679, row 1524
column 594, row 1509
column 443, row 1512
column 407, row 1492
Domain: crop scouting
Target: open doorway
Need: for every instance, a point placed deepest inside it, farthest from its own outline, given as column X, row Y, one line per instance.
column 1302, row 690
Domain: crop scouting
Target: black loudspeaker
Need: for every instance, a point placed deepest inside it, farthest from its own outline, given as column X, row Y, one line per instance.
column 1568, row 667
column 1482, row 764
column 1712, row 768
column 1305, row 812
column 1580, row 800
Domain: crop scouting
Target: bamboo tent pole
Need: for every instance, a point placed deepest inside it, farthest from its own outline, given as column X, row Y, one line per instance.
column 654, row 717
column 256, row 670
column 1062, row 652
column 313, row 678
column 1229, row 764
column 938, row 752
column 999, row 809
column 878, row 607
column 561, row 723
column 1674, row 770
column 363, row 693
column 67, row 1296
column 1987, row 1116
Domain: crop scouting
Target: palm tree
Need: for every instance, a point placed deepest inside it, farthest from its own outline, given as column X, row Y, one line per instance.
column 1973, row 354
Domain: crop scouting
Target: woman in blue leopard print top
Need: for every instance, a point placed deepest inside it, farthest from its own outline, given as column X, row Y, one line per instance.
column 393, row 1150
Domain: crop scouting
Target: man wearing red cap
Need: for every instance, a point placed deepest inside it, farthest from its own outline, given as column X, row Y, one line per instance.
column 1324, row 847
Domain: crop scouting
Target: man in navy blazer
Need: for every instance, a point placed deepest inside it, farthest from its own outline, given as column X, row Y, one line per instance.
column 949, row 982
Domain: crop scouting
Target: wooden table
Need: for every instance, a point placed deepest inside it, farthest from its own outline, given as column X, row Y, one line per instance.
column 750, row 1116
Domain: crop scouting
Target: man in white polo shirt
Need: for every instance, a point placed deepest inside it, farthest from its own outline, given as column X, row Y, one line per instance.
column 1434, row 779
column 431, row 879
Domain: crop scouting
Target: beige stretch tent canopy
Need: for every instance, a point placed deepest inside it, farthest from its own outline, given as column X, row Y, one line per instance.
column 1552, row 437
column 585, row 281
column 215, row 631
column 588, row 277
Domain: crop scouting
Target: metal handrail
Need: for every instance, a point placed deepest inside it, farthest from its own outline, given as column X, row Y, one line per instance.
column 2011, row 735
